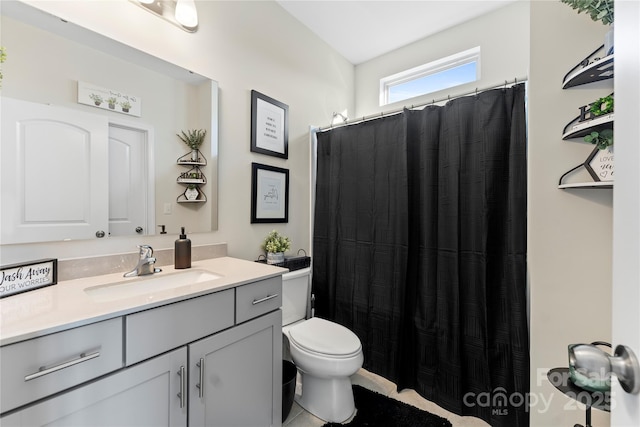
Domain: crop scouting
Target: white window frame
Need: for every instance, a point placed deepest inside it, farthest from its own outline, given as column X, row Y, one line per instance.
column 461, row 58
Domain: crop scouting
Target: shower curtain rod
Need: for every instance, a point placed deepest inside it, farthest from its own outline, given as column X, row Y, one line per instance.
column 399, row 110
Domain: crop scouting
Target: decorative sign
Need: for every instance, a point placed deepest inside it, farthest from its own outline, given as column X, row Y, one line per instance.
column 600, row 164
column 269, row 194
column 18, row 278
column 109, row 99
column 269, row 126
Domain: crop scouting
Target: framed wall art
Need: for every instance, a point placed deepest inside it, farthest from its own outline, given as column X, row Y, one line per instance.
column 269, row 126
column 269, row 194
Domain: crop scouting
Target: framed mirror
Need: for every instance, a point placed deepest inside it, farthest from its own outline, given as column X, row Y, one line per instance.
column 50, row 63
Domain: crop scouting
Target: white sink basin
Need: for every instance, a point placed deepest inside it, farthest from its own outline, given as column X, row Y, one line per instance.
column 144, row 285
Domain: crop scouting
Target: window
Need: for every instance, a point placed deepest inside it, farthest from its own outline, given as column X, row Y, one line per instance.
column 454, row 70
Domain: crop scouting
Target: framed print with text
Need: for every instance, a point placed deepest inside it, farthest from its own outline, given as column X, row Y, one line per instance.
column 269, row 126
column 269, row 194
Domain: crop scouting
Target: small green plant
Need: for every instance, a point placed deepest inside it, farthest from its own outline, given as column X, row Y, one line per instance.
column 112, row 102
column 275, row 242
column 598, row 10
column 193, row 138
column 601, row 106
column 97, row 99
column 602, row 139
column 3, row 57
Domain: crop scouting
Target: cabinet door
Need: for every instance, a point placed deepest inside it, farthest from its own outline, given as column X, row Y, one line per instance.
column 136, row 396
column 236, row 375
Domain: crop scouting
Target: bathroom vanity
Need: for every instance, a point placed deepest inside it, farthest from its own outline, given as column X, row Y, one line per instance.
column 92, row 352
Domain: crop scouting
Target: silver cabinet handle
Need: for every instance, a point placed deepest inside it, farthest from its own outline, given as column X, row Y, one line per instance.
column 200, row 385
column 267, row 298
column 44, row 370
column 182, row 394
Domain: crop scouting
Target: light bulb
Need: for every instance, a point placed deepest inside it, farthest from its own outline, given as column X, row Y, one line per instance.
column 186, row 13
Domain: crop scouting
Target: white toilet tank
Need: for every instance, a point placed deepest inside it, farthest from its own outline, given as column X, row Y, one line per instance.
column 296, row 293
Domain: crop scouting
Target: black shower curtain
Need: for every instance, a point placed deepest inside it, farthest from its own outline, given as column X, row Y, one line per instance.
column 420, row 249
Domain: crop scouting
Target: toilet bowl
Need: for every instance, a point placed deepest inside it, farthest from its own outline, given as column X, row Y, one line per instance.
column 326, row 355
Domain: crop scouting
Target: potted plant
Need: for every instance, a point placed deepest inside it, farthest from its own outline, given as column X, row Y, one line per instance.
column 97, row 99
column 112, row 102
column 193, row 139
column 126, row 106
column 598, row 10
column 275, row 245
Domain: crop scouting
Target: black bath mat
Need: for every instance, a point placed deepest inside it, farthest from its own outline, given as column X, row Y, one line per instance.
column 376, row 410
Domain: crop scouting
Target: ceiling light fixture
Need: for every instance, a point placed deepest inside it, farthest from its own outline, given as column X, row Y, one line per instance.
column 181, row 13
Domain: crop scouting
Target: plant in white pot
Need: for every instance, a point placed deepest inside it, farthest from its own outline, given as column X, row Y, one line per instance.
column 598, row 10
column 193, row 139
column 275, row 245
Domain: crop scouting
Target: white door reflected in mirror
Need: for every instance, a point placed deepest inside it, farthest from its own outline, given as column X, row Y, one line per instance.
column 49, row 197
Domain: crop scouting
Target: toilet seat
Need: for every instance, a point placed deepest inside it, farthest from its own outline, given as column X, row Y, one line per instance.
column 325, row 338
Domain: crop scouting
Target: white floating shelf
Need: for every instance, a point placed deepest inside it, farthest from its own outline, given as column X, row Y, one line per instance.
column 586, row 127
column 598, row 184
column 601, row 69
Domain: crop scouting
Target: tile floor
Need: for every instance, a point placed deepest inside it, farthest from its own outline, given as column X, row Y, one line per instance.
column 298, row 417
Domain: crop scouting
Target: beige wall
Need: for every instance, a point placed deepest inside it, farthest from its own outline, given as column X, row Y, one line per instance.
column 503, row 37
column 243, row 45
column 569, row 253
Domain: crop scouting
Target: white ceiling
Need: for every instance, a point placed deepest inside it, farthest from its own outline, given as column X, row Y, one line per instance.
column 364, row 29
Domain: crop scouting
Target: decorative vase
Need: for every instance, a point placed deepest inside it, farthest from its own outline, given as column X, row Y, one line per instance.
column 194, row 155
column 191, row 193
column 275, row 257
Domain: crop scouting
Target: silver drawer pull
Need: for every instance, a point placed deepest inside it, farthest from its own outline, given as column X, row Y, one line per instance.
column 48, row 370
column 182, row 395
column 200, row 385
column 267, row 298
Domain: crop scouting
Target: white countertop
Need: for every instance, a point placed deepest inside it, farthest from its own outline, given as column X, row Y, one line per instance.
column 66, row 305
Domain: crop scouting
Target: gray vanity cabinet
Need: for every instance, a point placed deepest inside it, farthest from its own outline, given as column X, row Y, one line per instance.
column 213, row 360
column 232, row 376
column 146, row 394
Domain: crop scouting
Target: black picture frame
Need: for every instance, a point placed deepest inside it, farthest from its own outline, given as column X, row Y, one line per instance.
column 269, row 194
column 269, row 126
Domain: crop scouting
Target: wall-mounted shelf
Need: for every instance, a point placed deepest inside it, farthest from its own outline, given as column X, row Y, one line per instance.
column 577, row 129
column 193, row 177
column 589, row 70
column 599, row 184
column 599, row 164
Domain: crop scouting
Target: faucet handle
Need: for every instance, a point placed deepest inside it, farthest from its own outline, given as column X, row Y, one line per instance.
column 145, row 251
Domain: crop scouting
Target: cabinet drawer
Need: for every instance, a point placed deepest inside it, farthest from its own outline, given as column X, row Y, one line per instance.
column 256, row 299
column 42, row 366
column 155, row 331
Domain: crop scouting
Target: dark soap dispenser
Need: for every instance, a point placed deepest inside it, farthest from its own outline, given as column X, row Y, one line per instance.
column 182, row 251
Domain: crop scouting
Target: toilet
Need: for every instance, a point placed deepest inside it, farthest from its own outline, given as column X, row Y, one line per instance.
column 325, row 353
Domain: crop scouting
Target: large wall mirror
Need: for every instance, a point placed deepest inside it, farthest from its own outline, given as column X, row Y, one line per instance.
column 50, row 64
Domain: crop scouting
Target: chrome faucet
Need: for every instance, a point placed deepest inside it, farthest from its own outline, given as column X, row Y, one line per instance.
column 145, row 263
